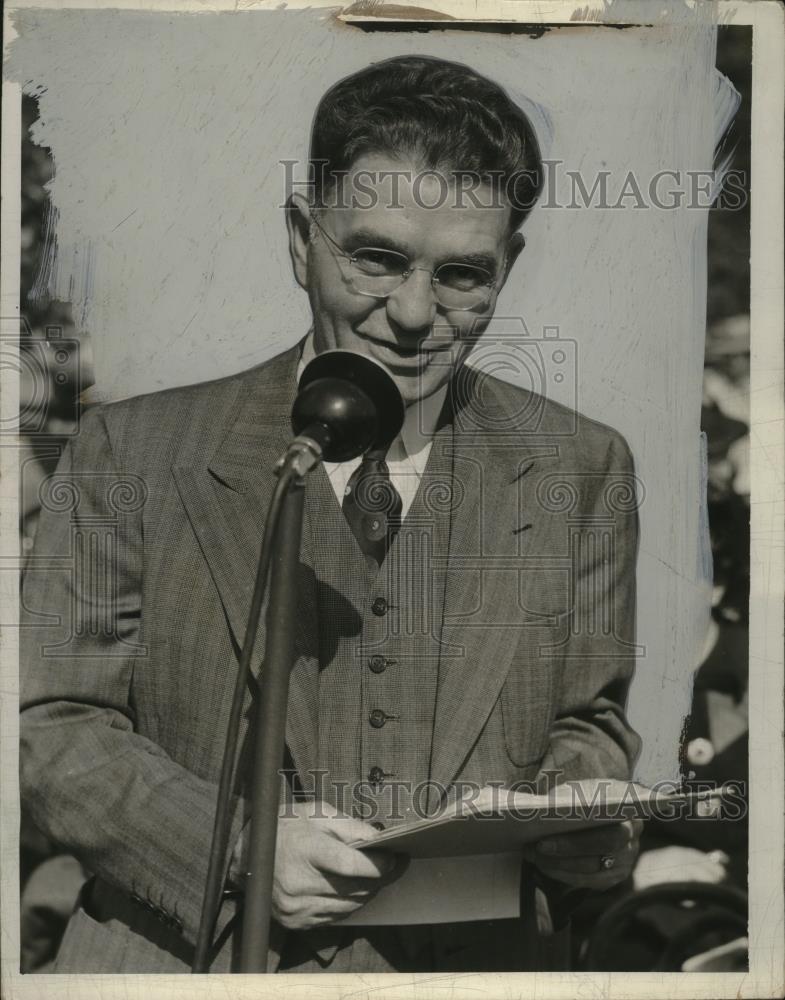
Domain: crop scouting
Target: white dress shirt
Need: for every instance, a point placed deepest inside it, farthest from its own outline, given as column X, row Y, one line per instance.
column 406, row 456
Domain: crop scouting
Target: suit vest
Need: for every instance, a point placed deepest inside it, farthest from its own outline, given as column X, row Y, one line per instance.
column 379, row 642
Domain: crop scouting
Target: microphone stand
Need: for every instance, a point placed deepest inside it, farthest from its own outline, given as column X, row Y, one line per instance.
column 271, row 731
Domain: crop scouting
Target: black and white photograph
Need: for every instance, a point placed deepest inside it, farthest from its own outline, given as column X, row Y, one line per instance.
column 392, row 462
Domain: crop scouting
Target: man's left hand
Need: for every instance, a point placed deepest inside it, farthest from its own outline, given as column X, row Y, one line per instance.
column 589, row 859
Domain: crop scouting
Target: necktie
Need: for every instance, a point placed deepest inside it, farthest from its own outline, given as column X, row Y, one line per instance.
column 372, row 505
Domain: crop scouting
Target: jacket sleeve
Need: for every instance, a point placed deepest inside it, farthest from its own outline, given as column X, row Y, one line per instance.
column 590, row 736
column 102, row 791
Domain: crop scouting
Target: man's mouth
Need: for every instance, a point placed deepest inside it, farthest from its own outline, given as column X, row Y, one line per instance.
column 421, row 351
column 397, row 350
column 404, row 352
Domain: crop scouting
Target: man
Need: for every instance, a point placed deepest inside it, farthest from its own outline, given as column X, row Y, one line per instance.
column 449, row 635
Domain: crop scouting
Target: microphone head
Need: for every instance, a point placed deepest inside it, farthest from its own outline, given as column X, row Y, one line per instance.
column 354, row 398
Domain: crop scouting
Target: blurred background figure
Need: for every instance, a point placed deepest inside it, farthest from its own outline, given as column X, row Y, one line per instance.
column 53, row 373
column 685, row 907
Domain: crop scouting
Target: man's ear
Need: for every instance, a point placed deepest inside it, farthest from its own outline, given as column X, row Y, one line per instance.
column 298, row 225
column 515, row 244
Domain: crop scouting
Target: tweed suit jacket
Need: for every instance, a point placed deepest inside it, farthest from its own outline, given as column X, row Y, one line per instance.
column 136, row 598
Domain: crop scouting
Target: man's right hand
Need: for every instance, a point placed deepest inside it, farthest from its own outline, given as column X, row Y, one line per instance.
column 318, row 878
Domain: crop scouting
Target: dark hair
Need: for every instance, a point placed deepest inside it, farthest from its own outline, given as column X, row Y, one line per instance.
column 444, row 113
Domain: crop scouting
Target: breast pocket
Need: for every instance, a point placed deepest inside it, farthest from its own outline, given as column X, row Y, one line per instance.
column 527, row 706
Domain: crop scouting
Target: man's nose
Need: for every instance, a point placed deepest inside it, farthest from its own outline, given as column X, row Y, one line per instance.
column 412, row 306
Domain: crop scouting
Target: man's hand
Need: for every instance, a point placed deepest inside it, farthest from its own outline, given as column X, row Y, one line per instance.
column 589, row 859
column 319, row 879
column 679, row 864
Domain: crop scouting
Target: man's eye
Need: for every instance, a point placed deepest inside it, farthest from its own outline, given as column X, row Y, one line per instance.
column 373, row 261
column 463, row 277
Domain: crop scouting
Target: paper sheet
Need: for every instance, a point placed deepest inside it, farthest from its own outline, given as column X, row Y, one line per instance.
column 447, row 890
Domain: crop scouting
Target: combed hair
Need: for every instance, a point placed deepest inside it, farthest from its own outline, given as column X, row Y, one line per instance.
column 443, row 114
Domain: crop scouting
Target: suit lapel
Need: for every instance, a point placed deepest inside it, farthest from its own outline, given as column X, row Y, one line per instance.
column 480, row 595
column 226, row 501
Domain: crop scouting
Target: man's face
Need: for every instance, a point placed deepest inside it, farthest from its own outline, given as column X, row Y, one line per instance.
column 420, row 341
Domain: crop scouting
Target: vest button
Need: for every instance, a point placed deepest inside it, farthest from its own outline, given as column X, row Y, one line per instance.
column 378, row 664
column 379, row 607
column 377, row 718
column 376, row 776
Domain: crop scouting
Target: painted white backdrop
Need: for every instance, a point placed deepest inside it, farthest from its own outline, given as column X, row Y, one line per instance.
column 167, row 132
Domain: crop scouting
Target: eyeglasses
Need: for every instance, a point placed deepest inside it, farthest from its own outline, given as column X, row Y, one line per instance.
column 377, row 273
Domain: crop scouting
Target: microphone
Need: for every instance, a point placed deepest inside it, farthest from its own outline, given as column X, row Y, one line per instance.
column 346, row 404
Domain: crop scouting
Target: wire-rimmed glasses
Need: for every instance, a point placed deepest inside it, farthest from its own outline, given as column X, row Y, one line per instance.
column 376, row 272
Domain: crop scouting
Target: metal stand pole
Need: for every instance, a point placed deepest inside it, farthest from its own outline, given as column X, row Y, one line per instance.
column 271, row 732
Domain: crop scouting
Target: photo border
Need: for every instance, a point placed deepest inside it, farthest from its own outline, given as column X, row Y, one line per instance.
column 766, row 976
